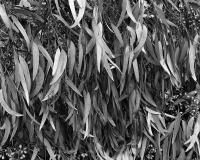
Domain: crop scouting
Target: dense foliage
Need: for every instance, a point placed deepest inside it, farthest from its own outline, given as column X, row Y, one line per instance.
column 99, row 79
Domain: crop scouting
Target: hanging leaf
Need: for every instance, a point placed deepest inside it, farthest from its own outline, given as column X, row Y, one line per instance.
column 52, row 91
column 142, row 40
column 87, row 107
column 26, row 72
column 118, row 34
column 22, row 30
column 72, row 85
column 129, row 11
column 45, row 54
column 72, row 55
column 4, row 16
column 99, row 52
column 44, row 117
column 35, row 152
column 136, row 70
column 72, row 8
column 61, row 66
column 56, row 61
column 192, row 57
column 23, row 82
column 122, row 13
column 80, row 55
column 57, row 6
column 39, row 80
column 81, row 12
column 176, row 127
column 51, row 122
column 7, row 127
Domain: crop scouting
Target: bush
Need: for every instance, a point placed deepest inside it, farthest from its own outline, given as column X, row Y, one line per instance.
column 99, row 79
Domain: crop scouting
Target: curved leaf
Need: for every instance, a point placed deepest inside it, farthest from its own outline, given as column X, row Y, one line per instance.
column 6, row 107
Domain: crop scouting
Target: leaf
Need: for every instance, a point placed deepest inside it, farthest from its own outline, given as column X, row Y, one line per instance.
column 39, row 80
column 23, row 82
column 7, row 127
column 51, row 122
column 181, row 155
column 72, row 8
column 129, row 11
column 87, row 107
column 72, row 55
column 122, row 13
column 52, row 91
column 176, row 127
column 118, row 34
column 72, row 86
column 190, row 127
column 107, row 67
column 81, row 12
column 26, row 72
column 80, row 55
column 45, row 54
column 22, row 30
column 49, row 149
column 162, row 61
column 6, row 107
column 61, row 66
column 194, row 138
column 35, row 152
column 29, row 114
column 184, row 51
column 99, row 52
column 56, row 61
column 57, row 6
column 192, row 57
column 47, row 145
column 136, row 70
column 142, row 40
column 144, row 145
column 4, row 16
column 44, row 117
column 62, row 20
column 173, row 5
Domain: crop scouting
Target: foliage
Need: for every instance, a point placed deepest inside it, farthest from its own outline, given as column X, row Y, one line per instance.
column 94, row 79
